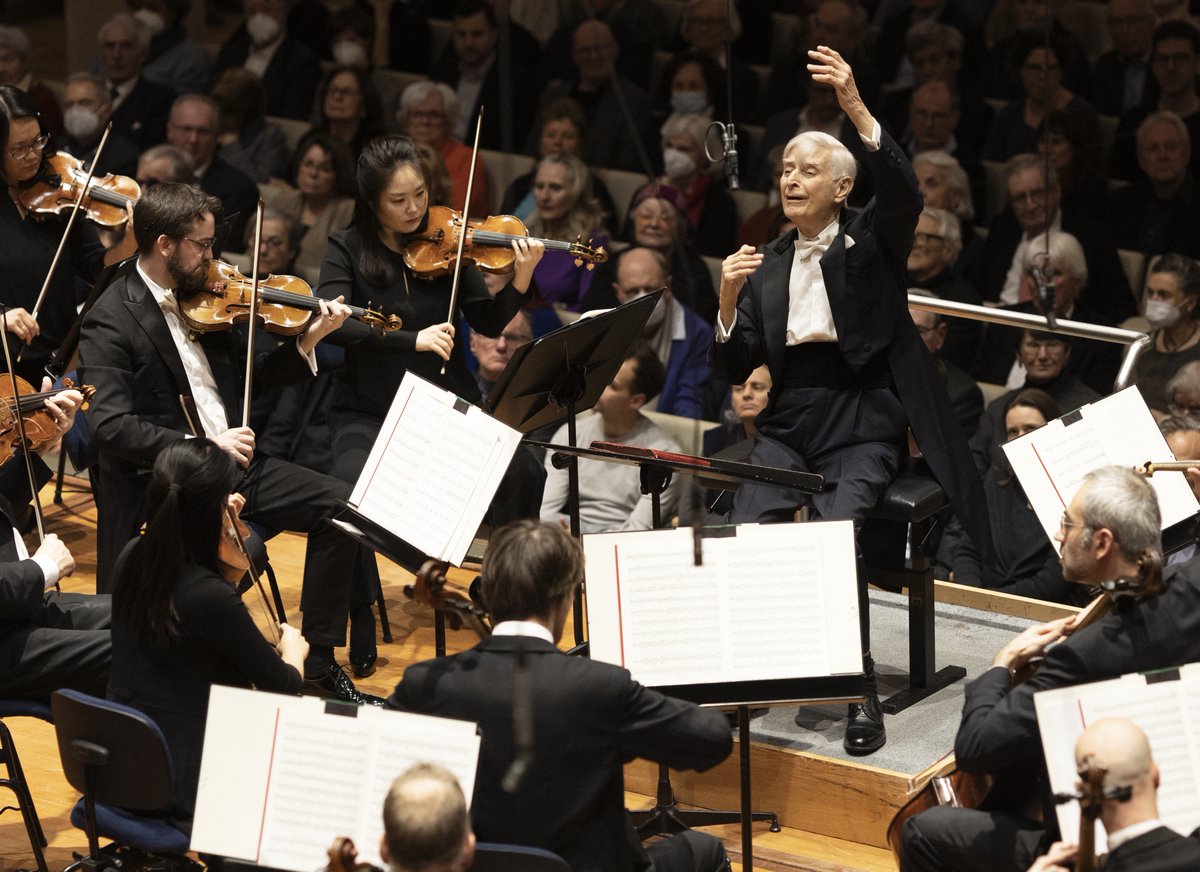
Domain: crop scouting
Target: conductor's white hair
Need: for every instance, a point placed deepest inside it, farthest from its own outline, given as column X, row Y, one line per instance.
column 841, row 161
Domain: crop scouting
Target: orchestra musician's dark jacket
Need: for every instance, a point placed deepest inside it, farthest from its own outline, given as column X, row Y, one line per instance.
column 1160, row 850
column 290, row 80
column 866, row 282
column 48, row 641
column 126, row 351
column 589, row 718
column 999, row 730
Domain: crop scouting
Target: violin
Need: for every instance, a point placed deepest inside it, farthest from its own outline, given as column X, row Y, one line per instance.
column 429, row 587
column 433, row 252
column 231, row 549
column 40, row 427
column 106, row 200
column 1152, row 466
column 286, row 304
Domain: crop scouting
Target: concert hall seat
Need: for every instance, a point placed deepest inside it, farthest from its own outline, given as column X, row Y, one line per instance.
column 118, row 759
column 911, row 505
column 14, row 778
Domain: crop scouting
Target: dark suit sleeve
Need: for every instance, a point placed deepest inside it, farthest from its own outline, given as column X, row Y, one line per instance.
column 22, row 586
column 736, row 358
column 897, row 201
column 487, row 314
column 339, row 277
column 670, row 731
column 105, row 361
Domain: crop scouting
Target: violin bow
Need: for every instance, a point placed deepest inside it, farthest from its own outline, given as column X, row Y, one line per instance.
column 462, row 233
column 12, row 377
column 273, row 618
column 62, row 242
column 253, row 323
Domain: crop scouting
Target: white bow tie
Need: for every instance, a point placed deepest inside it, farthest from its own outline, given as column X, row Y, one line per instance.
column 806, row 248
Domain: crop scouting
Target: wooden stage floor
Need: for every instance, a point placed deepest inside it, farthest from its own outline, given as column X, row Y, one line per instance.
column 412, row 629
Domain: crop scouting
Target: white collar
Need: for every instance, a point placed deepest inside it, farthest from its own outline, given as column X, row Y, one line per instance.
column 1126, row 834
column 531, row 629
column 156, row 290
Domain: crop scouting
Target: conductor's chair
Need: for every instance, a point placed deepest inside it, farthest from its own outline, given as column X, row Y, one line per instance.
column 492, row 857
column 913, row 504
column 118, row 759
column 14, row 777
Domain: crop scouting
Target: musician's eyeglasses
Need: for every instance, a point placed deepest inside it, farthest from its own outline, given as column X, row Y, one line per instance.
column 271, row 242
column 205, row 245
column 22, row 151
column 1065, row 523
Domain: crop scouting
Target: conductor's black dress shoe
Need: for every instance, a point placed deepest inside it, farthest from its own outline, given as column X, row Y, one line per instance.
column 334, row 683
column 865, row 733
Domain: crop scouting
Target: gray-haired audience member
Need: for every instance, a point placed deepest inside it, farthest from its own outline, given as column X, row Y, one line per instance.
column 140, row 107
column 965, row 395
column 937, row 244
column 165, row 163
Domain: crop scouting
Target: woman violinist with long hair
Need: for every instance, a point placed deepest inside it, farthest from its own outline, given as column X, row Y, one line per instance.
column 366, row 263
column 31, row 239
column 179, row 626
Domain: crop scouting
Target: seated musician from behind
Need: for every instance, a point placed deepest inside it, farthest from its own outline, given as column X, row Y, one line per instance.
column 179, row 626
column 1111, row 530
column 426, row 827
column 1137, row 839
column 587, row 717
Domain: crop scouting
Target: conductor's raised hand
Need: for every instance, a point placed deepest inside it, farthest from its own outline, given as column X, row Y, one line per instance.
column 830, row 68
column 438, row 338
column 735, row 269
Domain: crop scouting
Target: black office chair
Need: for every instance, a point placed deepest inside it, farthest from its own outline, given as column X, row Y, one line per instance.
column 118, row 759
column 493, row 857
column 15, row 777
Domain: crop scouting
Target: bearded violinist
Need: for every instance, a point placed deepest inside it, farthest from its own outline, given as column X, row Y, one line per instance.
column 1111, row 530
column 143, row 359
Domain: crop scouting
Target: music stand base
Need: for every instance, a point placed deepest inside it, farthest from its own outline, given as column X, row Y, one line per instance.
column 902, row 699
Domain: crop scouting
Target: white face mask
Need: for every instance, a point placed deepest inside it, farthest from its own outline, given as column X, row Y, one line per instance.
column 677, row 163
column 689, row 102
column 1161, row 313
column 262, row 28
column 349, row 53
column 152, row 21
column 81, row 123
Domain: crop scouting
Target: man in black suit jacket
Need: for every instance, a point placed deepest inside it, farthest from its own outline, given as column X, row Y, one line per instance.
column 1137, row 840
column 140, row 107
column 146, row 366
column 588, row 719
column 48, row 640
column 1108, row 532
column 471, row 64
column 288, row 69
column 828, row 315
column 193, row 129
column 1121, row 79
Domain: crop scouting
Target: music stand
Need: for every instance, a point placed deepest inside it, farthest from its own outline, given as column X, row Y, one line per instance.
column 558, row 375
column 656, row 469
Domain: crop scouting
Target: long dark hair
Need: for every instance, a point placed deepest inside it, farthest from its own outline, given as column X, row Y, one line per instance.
column 377, row 164
column 188, row 490
column 15, row 104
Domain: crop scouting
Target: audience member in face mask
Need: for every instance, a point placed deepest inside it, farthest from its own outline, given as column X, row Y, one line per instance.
column 173, row 60
column 264, row 45
column 87, row 108
column 1172, row 294
column 352, row 38
column 686, row 168
column 691, row 83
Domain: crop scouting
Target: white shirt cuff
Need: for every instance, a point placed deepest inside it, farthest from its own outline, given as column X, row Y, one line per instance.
column 310, row 358
column 872, row 144
column 49, row 569
column 722, row 333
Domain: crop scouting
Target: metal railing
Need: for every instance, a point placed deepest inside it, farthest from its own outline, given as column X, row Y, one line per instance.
column 1135, row 343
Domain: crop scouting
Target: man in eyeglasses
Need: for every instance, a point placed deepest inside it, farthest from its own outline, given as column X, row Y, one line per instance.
column 158, row 382
column 937, row 243
column 1109, row 531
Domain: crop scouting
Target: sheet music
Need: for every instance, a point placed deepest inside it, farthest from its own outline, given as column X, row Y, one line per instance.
column 315, row 775
column 433, row 470
column 672, row 623
column 1167, row 711
column 1052, row 462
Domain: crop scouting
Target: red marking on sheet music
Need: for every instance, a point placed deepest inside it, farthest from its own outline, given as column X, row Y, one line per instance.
column 1049, row 477
column 262, row 821
column 620, row 619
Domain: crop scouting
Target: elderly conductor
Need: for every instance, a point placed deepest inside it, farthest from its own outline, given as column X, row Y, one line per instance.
column 825, row 308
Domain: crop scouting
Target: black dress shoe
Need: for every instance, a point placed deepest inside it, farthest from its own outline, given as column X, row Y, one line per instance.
column 363, row 664
column 334, row 683
column 864, row 728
